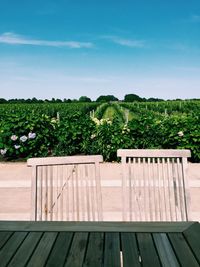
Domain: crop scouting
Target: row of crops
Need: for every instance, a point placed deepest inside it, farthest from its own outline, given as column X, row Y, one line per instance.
column 38, row 130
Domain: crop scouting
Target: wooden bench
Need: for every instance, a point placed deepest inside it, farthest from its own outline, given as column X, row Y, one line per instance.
column 154, row 184
column 66, row 188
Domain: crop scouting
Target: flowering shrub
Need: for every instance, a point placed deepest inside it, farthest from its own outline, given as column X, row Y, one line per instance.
column 31, row 133
column 27, row 136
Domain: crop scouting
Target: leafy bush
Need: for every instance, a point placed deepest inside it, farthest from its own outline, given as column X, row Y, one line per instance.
column 33, row 131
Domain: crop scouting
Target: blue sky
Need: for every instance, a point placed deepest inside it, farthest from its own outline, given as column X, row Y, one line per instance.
column 69, row 48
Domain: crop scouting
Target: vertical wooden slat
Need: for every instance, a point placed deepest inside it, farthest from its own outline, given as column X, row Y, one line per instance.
column 187, row 199
column 83, row 192
column 165, row 213
column 61, row 192
column 181, row 193
column 51, row 192
column 56, row 192
column 46, row 193
column 170, row 182
column 92, row 190
column 154, row 189
column 145, row 190
column 87, row 193
column 67, row 192
column 124, row 189
column 178, row 188
column 64, row 191
column 73, row 195
column 159, row 190
column 81, row 202
column 174, row 190
column 34, row 194
column 139, row 189
column 149, row 189
column 77, row 193
column 131, row 193
column 40, row 196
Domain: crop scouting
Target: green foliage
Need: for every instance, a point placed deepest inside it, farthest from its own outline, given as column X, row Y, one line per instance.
column 132, row 98
column 106, row 98
column 44, row 124
column 84, row 99
column 34, row 130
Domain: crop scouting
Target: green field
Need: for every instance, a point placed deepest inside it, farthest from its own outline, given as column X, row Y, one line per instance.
column 33, row 130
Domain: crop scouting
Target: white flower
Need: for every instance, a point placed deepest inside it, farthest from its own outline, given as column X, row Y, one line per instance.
column 3, row 151
column 54, row 120
column 93, row 136
column 23, row 138
column 31, row 135
column 180, row 133
column 14, row 137
column 17, row 146
column 95, row 120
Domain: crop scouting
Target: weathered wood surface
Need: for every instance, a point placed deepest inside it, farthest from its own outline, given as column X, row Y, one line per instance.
column 154, row 227
column 154, row 184
column 163, row 153
column 52, row 247
column 66, row 188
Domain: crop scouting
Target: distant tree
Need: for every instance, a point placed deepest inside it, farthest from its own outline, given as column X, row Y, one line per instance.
column 2, row 100
column 106, row 98
column 84, row 99
column 67, row 100
column 152, row 99
column 58, row 100
column 34, row 100
column 132, row 98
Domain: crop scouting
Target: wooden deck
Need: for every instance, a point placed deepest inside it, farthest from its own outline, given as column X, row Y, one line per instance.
column 108, row 244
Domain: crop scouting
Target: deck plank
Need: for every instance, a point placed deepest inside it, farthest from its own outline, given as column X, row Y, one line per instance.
column 95, row 250
column 11, row 246
column 112, row 250
column 26, row 249
column 165, row 251
column 192, row 235
column 77, row 251
column 147, row 250
column 42, row 251
column 182, row 250
column 130, row 250
column 4, row 236
column 60, row 250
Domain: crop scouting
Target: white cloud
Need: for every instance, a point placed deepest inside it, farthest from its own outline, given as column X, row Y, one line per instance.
column 125, row 42
column 15, row 39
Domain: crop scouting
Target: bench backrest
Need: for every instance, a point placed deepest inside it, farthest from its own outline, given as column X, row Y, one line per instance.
column 154, row 184
column 66, row 188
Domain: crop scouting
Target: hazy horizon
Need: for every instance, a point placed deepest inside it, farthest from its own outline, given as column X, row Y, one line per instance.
column 67, row 49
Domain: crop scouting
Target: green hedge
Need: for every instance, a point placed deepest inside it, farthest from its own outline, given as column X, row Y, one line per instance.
column 31, row 135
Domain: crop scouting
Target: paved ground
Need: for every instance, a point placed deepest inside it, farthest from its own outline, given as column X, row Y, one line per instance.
column 15, row 193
